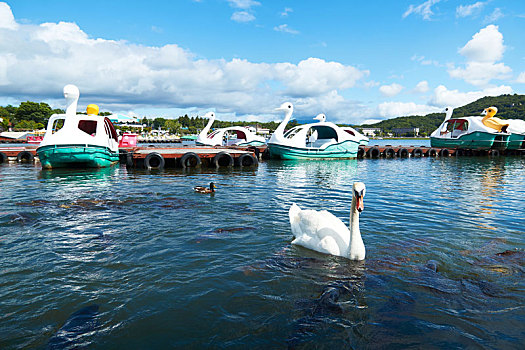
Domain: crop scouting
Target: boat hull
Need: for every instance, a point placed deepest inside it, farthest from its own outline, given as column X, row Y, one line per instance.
column 343, row 150
column 475, row 140
column 74, row 156
column 516, row 141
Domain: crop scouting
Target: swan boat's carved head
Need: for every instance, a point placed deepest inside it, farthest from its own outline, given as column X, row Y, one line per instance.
column 321, row 117
column 71, row 92
column 287, row 107
column 491, row 111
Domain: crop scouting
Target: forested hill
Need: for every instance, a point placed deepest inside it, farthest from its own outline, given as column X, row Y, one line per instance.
column 509, row 107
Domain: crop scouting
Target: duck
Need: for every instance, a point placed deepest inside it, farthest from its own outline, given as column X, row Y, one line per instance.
column 325, row 233
column 492, row 122
column 203, row 189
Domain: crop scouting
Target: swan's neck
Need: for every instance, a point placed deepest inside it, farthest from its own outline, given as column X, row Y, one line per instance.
column 357, row 247
column 204, row 132
column 71, row 108
column 279, row 132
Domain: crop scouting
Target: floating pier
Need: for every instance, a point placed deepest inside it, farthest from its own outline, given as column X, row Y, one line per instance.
column 21, row 154
column 189, row 157
column 389, row 151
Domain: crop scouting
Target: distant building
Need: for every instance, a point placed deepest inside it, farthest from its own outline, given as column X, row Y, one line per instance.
column 262, row 131
column 371, row 131
column 406, row 131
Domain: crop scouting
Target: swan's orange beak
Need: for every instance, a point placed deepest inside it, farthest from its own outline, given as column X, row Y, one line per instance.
column 359, row 203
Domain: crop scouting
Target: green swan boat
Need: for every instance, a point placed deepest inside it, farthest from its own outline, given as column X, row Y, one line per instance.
column 321, row 140
column 77, row 140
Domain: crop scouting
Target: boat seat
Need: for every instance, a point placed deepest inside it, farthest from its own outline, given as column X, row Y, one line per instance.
column 457, row 132
column 323, row 143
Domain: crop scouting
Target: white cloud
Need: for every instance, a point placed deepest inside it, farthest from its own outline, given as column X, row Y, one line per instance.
column 482, row 53
column 315, row 76
column 444, row 97
column 285, row 29
column 390, row 90
column 371, row 83
column 421, row 87
column 481, row 73
column 424, row 9
column 36, row 61
column 243, row 4
column 156, row 29
column 370, row 121
column 242, row 17
column 7, row 20
column 286, row 12
column 423, row 61
column 469, row 10
column 521, row 78
column 399, row 109
column 485, row 46
column 494, row 16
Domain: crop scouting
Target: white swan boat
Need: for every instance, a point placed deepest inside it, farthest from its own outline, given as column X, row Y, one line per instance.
column 224, row 136
column 321, row 140
column 475, row 132
column 77, row 140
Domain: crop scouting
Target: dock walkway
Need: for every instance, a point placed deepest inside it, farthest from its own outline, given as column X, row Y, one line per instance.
column 188, row 157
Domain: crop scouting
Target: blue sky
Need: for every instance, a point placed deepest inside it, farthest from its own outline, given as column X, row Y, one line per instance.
column 354, row 61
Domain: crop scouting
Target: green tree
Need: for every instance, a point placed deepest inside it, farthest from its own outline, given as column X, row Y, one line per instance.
column 37, row 112
column 173, row 126
column 26, row 125
column 158, row 123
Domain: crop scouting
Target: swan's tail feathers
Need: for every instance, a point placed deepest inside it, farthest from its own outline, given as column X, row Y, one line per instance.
column 293, row 213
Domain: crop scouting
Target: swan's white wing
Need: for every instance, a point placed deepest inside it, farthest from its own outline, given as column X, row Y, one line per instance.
column 319, row 230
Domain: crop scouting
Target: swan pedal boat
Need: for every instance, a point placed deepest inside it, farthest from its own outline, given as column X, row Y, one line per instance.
column 470, row 132
column 77, row 140
column 244, row 136
column 321, row 140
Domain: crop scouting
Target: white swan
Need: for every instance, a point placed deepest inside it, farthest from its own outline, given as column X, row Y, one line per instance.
column 323, row 232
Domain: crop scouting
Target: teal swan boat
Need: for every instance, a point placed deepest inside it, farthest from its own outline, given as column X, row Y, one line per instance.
column 78, row 140
column 321, row 140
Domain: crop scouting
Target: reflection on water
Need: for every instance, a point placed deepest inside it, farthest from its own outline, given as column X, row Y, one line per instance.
column 137, row 259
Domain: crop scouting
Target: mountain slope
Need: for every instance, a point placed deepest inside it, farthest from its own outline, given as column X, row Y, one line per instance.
column 509, row 107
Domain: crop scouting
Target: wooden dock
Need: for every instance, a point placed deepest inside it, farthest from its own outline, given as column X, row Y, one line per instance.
column 190, row 157
column 187, row 157
column 389, row 151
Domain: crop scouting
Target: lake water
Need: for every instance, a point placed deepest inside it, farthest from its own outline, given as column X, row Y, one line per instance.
column 128, row 259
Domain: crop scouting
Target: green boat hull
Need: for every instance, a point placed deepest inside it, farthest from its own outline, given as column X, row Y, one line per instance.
column 251, row 143
column 343, row 150
column 516, row 141
column 75, row 156
column 475, row 140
